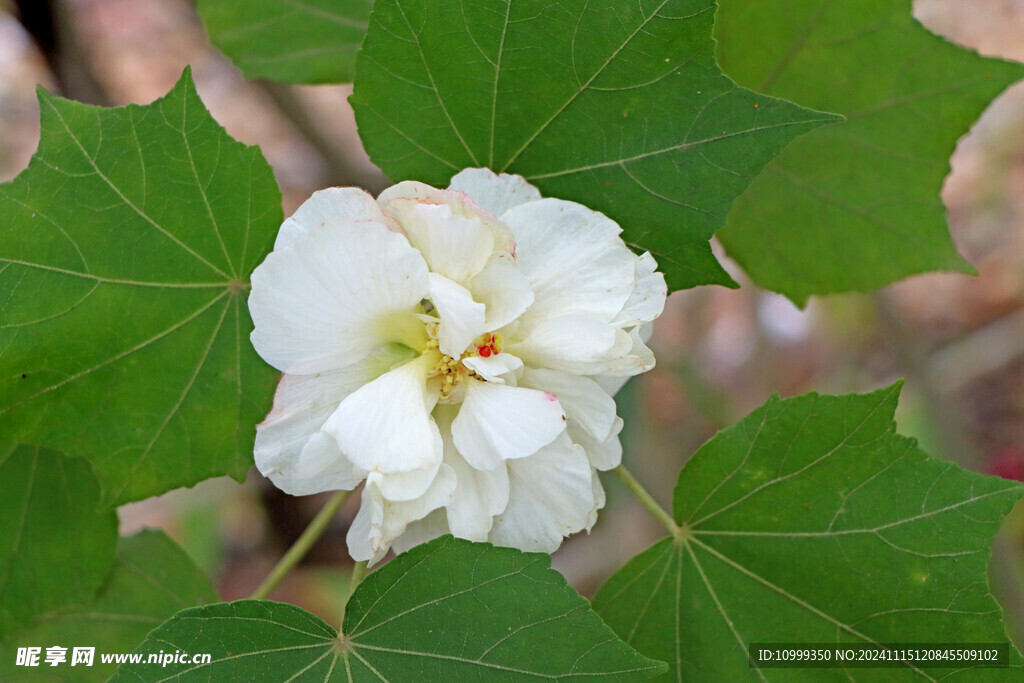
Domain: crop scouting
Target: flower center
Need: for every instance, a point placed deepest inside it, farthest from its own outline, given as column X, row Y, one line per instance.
column 451, row 371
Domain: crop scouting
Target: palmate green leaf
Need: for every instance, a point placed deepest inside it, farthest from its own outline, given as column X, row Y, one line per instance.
column 125, row 249
column 854, row 206
column 152, row 579
column 294, row 41
column 55, row 549
column 619, row 106
column 811, row 521
column 448, row 610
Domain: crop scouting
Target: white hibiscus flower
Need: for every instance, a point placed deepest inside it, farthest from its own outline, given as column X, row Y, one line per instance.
column 456, row 350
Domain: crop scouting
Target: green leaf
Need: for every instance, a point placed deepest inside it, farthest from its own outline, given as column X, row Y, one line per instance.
column 55, row 549
column 298, row 41
column 125, row 249
column 447, row 610
column 619, row 106
column 152, row 579
column 854, row 206
column 812, row 521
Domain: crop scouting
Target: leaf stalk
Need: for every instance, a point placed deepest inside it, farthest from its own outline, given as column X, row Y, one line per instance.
column 358, row 574
column 301, row 546
column 646, row 500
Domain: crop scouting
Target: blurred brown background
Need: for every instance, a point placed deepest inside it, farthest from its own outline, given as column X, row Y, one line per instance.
column 959, row 341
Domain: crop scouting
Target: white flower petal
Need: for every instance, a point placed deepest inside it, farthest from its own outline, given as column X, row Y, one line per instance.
column 604, row 455
column 611, row 383
column 503, row 289
column 452, row 245
column 462, row 319
column 647, row 300
column 551, row 495
column 335, row 294
column 585, row 403
column 329, row 206
column 421, row 531
column 323, row 467
column 320, row 466
column 479, row 495
column 499, row 368
column 495, row 192
column 498, row 423
column 459, row 203
column 591, row 421
column 385, row 426
column 576, row 344
column 599, row 500
column 380, row 521
column 574, row 259
column 301, row 406
column 639, row 358
column 365, row 534
column 406, row 486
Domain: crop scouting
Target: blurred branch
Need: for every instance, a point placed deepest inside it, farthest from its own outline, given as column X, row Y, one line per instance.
column 917, row 362
column 941, row 374
column 982, row 352
column 342, row 165
column 50, row 24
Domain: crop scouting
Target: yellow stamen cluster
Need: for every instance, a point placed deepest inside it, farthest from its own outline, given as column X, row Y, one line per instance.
column 450, row 370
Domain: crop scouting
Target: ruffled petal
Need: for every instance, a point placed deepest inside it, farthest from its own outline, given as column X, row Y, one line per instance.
column 452, row 245
column 406, row 486
column 586, row 405
column 591, row 421
column 380, row 521
column 574, row 259
column 604, row 455
column 395, row 202
column 385, row 426
column 497, row 422
column 462, row 319
column 647, row 300
column 639, row 358
column 499, row 368
column 323, row 467
column 599, row 500
column 291, row 450
column 495, row 192
column 551, row 495
column 365, row 537
column 613, row 383
column 575, row 344
column 335, row 294
column 335, row 204
column 479, row 495
column 423, row 530
column 503, row 289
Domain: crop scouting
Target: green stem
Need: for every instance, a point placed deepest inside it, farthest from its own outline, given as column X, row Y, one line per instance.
column 646, row 500
column 358, row 574
column 301, row 546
